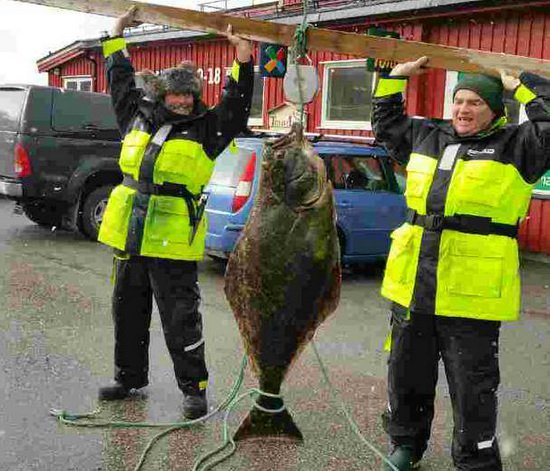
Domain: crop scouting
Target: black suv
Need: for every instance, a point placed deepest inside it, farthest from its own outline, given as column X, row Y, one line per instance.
column 58, row 154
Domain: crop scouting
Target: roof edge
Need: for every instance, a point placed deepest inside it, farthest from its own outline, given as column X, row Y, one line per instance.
column 79, row 47
column 380, row 8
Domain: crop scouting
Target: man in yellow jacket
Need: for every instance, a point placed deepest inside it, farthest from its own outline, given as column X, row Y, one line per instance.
column 153, row 219
column 453, row 267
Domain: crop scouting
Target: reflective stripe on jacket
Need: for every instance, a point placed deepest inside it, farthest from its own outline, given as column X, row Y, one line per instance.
column 477, row 188
column 157, row 222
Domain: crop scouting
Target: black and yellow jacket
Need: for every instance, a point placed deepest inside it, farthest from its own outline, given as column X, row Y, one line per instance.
column 457, row 254
column 152, row 212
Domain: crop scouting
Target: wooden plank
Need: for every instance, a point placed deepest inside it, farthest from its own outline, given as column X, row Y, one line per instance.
column 444, row 57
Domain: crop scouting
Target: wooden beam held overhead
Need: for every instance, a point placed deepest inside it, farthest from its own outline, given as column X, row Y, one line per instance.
column 360, row 45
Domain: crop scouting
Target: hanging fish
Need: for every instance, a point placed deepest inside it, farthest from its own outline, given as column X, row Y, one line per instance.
column 283, row 278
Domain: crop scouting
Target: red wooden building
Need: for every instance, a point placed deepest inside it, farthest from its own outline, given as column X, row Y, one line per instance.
column 342, row 106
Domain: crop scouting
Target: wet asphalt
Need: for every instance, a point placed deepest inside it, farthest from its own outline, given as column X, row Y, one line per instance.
column 56, row 350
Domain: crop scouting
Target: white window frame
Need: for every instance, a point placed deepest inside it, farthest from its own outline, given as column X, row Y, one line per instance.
column 451, row 79
column 79, row 79
column 328, row 124
column 254, row 121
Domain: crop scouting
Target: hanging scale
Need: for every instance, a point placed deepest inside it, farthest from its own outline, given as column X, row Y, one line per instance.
column 301, row 82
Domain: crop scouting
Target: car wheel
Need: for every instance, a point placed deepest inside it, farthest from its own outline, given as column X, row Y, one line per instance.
column 217, row 259
column 43, row 214
column 93, row 209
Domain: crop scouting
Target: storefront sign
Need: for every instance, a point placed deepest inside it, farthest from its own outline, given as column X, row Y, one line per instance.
column 381, row 65
column 212, row 75
column 281, row 117
column 542, row 189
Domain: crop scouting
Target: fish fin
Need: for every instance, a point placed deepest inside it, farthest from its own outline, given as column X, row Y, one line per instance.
column 259, row 424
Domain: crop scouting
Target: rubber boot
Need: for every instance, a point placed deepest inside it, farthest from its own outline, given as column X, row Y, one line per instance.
column 114, row 392
column 194, row 405
column 402, row 458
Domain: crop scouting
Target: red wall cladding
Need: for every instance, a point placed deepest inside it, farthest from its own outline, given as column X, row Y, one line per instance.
column 292, row 3
column 211, row 56
column 81, row 66
column 514, row 32
column 517, row 31
column 214, row 56
column 535, row 230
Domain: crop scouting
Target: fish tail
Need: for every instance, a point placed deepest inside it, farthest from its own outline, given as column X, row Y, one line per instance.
column 263, row 424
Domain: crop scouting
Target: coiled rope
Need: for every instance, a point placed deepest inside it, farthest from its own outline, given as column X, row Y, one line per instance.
column 202, row 464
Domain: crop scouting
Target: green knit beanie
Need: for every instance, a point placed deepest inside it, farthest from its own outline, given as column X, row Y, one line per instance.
column 488, row 88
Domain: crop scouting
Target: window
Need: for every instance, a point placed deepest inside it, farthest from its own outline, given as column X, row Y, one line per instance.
column 256, row 110
column 81, row 84
column 515, row 110
column 351, row 172
column 77, row 112
column 12, row 101
column 347, row 96
column 400, row 172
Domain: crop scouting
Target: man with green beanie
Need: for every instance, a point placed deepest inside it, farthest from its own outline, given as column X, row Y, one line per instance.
column 453, row 269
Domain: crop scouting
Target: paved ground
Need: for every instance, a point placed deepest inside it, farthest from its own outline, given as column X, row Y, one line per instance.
column 56, row 349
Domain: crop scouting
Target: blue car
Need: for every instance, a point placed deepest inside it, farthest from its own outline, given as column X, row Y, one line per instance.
column 368, row 193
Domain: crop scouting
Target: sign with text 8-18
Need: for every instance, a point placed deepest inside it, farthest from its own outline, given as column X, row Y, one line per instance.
column 542, row 188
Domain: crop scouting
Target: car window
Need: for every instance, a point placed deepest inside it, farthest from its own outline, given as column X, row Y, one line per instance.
column 11, row 104
column 400, row 176
column 230, row 165
column 77, row 111
column 351, row 172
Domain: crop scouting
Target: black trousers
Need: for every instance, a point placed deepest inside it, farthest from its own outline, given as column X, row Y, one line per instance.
column 174, row 285
column 469, row 349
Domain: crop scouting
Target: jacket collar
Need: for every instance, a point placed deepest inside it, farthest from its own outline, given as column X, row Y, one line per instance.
column 158, row 114
column 447, row 128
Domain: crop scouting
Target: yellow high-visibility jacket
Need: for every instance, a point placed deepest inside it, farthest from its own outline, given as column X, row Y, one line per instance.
column 153, row 211
column 457, row 254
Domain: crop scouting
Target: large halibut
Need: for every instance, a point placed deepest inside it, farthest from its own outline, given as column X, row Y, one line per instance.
column 283, row 278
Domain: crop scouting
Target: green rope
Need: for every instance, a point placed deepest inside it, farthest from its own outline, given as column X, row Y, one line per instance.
column 347, row 414
column 228, row 404
column 225, row 404
column 300, row 38
column 300, row 50
column 75, row 420
column 227, row 439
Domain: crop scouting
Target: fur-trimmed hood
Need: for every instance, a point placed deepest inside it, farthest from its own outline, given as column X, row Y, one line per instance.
column 180, row 80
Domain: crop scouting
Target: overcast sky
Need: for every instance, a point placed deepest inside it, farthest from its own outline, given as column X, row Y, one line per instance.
column 29, row 32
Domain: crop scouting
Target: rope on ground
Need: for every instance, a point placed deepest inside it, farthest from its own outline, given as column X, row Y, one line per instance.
column 347, row 414
column 225, row 404
column 227, row 439
column 75, row 420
